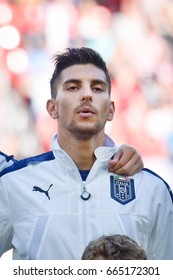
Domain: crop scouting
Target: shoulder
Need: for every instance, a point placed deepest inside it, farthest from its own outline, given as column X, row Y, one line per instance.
column 6, row 161
column 21, row 164
column 153, row 179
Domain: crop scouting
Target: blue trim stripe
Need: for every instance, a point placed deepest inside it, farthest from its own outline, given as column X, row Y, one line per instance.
column 166, row 184
column 8, row 158
column 24, row 162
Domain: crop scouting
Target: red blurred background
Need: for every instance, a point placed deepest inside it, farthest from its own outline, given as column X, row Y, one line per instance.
column 135, row 38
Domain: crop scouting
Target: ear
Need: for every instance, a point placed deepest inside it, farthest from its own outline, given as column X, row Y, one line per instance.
column 52, row 108
column 111, row 111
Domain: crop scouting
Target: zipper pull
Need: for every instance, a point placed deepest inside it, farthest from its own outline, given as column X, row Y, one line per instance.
column 85, row 194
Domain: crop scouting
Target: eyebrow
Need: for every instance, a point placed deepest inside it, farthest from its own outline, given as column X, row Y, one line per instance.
column 99, row 81
column 94, row 81
column 75, row 81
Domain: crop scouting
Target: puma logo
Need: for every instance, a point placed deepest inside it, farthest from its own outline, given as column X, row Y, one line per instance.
column 38, row 189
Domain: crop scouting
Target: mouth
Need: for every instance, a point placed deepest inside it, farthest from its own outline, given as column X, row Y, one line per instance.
column 86, row 112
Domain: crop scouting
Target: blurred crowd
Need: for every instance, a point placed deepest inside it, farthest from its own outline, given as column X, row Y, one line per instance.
column 135, row 37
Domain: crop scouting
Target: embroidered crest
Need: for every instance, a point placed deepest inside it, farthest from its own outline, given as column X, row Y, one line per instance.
column 122, row 189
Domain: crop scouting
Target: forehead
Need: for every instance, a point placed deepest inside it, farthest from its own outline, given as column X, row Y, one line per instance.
column 82, row 72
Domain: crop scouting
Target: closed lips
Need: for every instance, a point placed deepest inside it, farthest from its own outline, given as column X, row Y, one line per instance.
column 86, row 110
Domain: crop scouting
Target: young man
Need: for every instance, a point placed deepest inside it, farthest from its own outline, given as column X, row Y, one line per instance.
column 113, row 247
column 53, row 204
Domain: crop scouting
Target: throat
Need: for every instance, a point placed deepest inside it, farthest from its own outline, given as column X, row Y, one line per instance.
column 81, row 152
column 84, row 158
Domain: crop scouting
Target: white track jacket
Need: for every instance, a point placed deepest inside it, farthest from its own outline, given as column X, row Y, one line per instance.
column 43, row 216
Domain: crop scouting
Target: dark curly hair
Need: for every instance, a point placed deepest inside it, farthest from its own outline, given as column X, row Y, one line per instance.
column 113, row 247
column 74, row 56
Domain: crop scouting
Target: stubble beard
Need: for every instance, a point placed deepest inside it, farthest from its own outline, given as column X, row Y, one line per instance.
column 84, row 132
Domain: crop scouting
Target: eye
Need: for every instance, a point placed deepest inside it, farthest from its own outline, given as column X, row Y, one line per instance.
column 72, row 88
column 98, row 89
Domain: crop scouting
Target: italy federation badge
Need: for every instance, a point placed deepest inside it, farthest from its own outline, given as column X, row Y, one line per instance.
column 122, row 189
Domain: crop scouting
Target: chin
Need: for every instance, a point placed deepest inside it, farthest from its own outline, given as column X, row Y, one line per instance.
column 85, row 130
column 85, row 133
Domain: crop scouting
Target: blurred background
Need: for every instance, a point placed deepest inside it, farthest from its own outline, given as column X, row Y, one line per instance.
column 135, row 38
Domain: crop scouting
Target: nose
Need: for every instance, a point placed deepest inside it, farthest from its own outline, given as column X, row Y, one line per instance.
column 86, row 95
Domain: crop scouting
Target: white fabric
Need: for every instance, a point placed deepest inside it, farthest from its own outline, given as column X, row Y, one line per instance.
column 60, row 227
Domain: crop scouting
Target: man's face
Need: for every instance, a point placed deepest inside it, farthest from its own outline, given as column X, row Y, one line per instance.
column 82, row 104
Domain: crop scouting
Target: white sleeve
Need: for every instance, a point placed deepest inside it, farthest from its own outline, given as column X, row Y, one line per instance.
column 5, row 161
column 162, row 230
column 5, row 221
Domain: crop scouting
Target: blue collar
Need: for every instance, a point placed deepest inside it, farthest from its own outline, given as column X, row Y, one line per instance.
column 84, row 174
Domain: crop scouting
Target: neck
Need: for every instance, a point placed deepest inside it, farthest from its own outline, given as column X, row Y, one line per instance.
column 81, row 151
